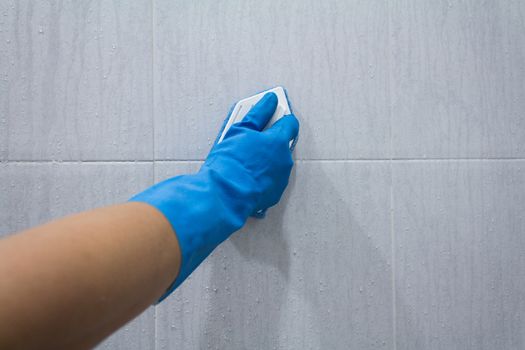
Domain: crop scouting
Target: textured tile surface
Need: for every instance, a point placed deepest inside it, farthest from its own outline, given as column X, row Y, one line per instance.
column 35, row 193
column 457, row 78
column 100, row 80
column 138, row 334
column 331, row 55
column 4, row 83
column 460, row 266
column 76, row 79
column 315, row 274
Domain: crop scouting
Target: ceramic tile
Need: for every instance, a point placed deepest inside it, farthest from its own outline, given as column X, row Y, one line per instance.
column 138, row 334
column 457, row 79
column 332, row 56
column 76, row 80
column 459, row 266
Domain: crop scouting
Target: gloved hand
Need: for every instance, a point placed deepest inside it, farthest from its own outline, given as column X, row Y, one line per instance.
column 243, row 175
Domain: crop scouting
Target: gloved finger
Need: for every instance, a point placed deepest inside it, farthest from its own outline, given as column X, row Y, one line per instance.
column 260, row 114
column 287, row 128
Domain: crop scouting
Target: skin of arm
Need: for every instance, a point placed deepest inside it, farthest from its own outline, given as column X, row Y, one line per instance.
column 72, row 282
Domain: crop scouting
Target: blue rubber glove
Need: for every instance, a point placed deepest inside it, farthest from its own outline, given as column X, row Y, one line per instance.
column 243, row 175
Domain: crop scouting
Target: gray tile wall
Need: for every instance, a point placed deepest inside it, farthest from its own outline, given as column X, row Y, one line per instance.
column 402, row 227
column 460, row 263
column 78, row 80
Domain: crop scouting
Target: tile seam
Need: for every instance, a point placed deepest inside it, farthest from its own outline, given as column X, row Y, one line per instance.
column 364, row 160
column 391, row 166
column 153, row 165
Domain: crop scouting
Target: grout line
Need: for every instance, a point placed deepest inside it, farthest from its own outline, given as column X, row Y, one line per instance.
column 394, row 159
column 118, row 161
column 349, row 160
column 392, row 232
column 406, row 160
column 462, row 159
column 153, row 106
column 179, row 161
column 393, row 257
column 357, row 160
column 153, row 44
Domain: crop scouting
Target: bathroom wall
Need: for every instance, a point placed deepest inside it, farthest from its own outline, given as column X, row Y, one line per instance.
column 403, row 224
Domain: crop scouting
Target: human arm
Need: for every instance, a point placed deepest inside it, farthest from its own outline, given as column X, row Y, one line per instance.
column 72, row 282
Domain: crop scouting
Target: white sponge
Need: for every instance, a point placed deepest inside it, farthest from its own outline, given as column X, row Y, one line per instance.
column 242, row 108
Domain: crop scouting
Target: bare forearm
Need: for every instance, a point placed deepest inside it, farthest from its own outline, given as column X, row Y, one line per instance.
column 71, row 282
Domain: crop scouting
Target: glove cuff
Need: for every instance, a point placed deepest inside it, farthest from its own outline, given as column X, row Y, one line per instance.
column 203, row 209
